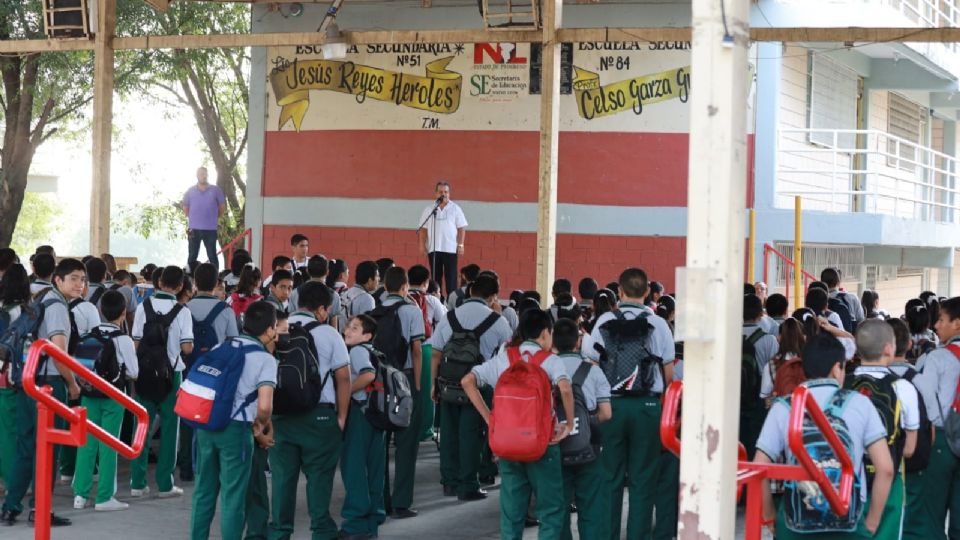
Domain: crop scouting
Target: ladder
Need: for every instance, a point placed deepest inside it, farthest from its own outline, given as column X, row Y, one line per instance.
column 511, row 14
column 66, row 19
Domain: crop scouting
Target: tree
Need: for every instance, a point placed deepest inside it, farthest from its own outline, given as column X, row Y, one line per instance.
column 212, row 83
column 36, row 223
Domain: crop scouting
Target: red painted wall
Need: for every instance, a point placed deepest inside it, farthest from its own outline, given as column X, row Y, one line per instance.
column 512, row 255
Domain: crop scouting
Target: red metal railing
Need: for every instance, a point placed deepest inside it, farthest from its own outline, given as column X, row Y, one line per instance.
column 48, row 435
column 769, row 250
column 751, row 474
column 227, row 250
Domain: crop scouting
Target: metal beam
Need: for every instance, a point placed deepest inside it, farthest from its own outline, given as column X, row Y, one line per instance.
column 565, row 35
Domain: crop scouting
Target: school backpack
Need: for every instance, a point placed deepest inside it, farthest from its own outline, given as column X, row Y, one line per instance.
column 74, row 329
column 205, row 399
column 19, row 335
column 521, row 420
column 951, row 424
column 581, row 446
column 787, row 377
column 420, row 299
column 101, row 290
column 806, row 510
column 625, row 356
column 389, row 339
column 920, row 347
column 750, row 378
column 921, row 454
column 883, row 394
column 299, row 385
column 460, row 355
column 204, row 334
column 460, row 296
column 389, row 404
column 155, row 380
column 98, row 353
column 240, row 302
column 838, row 305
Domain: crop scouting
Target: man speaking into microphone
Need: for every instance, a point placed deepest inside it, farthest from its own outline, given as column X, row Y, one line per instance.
column 443, row 228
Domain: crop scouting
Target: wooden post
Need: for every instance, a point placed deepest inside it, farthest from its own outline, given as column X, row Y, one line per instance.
column 102, row 127
column 713, row 296
column 549, row 148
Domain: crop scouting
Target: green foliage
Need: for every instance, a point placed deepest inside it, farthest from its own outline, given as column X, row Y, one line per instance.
column 37, row 221
column 164, row 219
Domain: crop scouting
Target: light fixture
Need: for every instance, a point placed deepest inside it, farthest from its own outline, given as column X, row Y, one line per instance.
column 334, row 46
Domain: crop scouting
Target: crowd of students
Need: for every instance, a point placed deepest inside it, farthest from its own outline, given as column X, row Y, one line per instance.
column 327, row 370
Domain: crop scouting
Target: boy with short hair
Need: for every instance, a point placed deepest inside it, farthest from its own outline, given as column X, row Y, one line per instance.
column 300, row 246
column 358, row 299
column 281, row 286
column 831, row 277
column 69, row 277
column 457, row 297
column 280, row 262
column 823, row 359
column 179, row 342
column 583, row 483
column 311, row 442
column 224, row 457
column 43, row 267
column 318, row 266
column 543, row 477
column 765, row 347
column 106, row 413
column 363, row 458
column 776, row 306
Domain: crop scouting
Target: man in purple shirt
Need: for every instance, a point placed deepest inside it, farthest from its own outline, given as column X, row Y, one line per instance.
column 203, row 204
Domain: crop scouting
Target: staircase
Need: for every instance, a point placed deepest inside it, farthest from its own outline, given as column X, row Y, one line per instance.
column 66, row 19
column 511, row 14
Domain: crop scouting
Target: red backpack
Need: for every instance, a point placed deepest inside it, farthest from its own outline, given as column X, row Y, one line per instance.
column 787, row 377
column 239, row 303
column 420, row 298
column 521, row 422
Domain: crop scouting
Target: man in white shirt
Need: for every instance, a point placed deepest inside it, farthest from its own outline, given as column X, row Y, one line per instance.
column 442, row 232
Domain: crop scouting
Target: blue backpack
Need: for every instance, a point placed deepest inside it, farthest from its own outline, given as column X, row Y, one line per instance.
column 205, row 399
column 806, row 509
column 204, row 334
column 19, row 335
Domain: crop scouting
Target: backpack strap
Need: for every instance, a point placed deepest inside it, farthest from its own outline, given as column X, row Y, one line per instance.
column 74, row 303
column 513, row 355
column 215, row 312
column 756, row 336
column 311, row 325
column 97, row 294
column 252, row 396
column 955, row 349
column 454, row 323
column 580, row 375
column 487, row 324
column 168, row 319
column 148, row 308
column 539, row 358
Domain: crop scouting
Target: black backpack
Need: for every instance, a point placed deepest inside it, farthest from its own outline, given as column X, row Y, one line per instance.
column 155, row 380
column 74, row 330
column 625, row 356
column 750, row 376
column 883, row 395
column 389, row 339
column 299, row 385
column 389, row 404
column 921, row 454
column 97, row 352
column 839, row 306
column 460, row 355
column 97, row 295
column 582, row 445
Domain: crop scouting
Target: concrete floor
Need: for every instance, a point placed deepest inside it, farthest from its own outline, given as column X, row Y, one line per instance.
column 154, row 519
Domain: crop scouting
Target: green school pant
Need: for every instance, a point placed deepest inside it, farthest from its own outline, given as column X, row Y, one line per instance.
column 107, row 414
column 68, row 454
column 584, row 485
column 544, row 478
column 426, row 393
column 460, row 447
column 939, row 488
column 223, row 467
column 751, row 423
column 667, row 497
column 169, row 432
column 21, row 475
column 310, row 443
column 488, row 467
column 8, row 431
column 631, row 456
column 405, row 454
column 258, row 500
column 362, row 461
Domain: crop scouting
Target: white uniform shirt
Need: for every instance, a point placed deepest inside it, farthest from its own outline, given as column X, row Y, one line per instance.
column 448, row 220
column 180, row 331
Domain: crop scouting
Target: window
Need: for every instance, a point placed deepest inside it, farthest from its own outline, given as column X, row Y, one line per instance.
column 905, row 119
column 832, row 101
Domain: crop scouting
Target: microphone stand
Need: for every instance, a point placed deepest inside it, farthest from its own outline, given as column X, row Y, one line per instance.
column 433, row 214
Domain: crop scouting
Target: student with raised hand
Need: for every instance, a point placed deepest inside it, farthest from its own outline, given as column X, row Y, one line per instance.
column 897, row 402
column 583, row 483
column 363, row 458
column 224, row 457
column 358, row 299
column 940, row 371
column 543, row 477
column 631, row 438
column 104, row 411
column 69, row 277
column 823, row 363
column 157, row 385
column 310, row 442
column 472, row 324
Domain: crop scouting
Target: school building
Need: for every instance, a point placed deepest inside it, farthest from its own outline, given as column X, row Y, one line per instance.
column 348, row 152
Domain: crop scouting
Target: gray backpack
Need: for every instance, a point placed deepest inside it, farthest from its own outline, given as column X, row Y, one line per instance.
column 583, row 444
column 625, row 356
column 389, row 403
column 951, row 423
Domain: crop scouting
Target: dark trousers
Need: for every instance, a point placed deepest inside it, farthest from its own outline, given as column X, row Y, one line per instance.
column 209, row 239
column 443, row 269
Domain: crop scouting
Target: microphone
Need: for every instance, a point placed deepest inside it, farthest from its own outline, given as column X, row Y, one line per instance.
column 440, row 199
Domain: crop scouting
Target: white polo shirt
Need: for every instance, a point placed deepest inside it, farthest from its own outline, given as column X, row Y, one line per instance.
column 448, row 220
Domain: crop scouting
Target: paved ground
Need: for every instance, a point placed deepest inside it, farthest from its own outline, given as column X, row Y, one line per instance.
column 154, row 519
